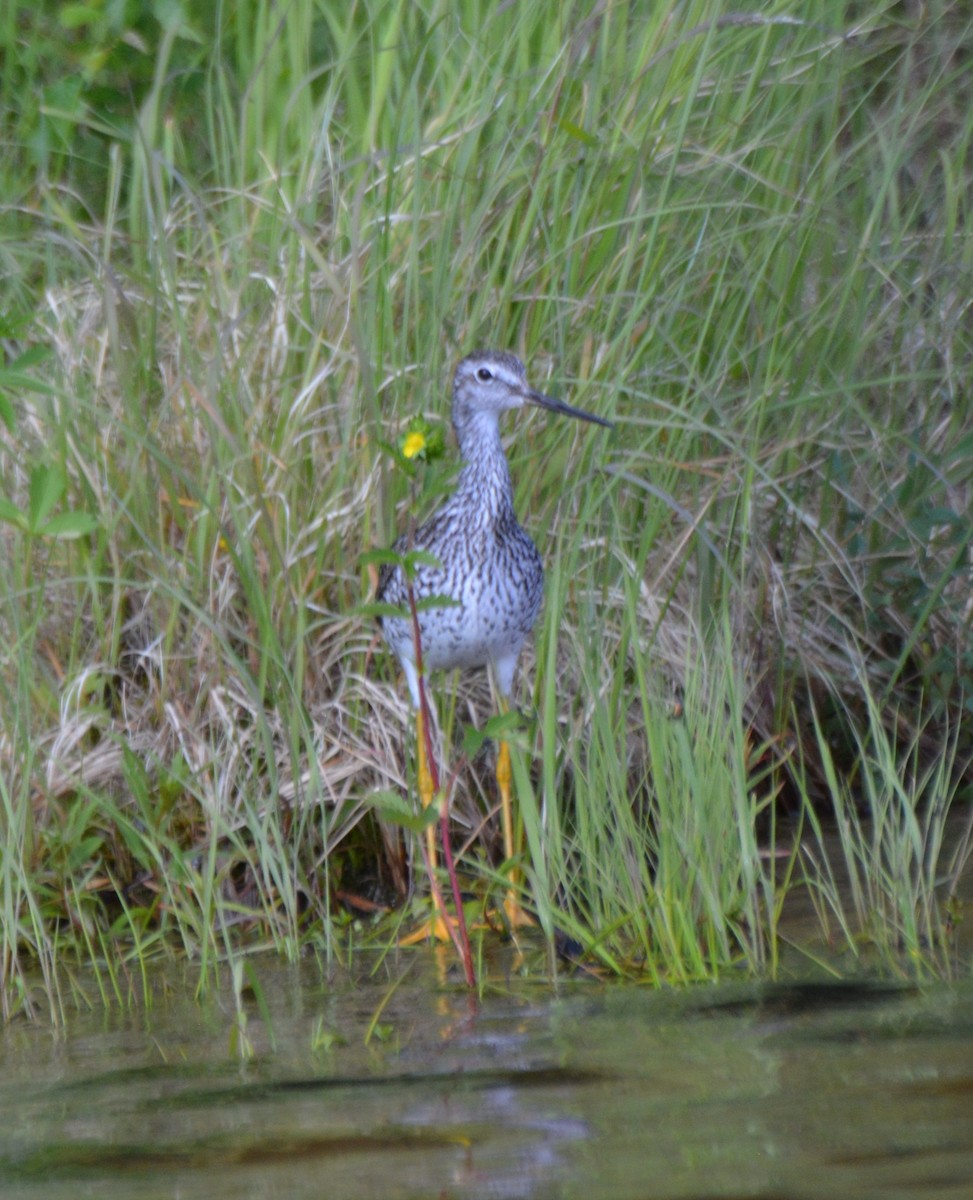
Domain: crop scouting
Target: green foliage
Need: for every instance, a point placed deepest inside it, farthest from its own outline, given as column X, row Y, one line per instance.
column 18, row 375
column 396, row 809
column 47, row 485
column 901, row 864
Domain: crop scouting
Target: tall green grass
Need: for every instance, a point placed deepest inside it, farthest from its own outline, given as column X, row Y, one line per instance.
column 241, row 249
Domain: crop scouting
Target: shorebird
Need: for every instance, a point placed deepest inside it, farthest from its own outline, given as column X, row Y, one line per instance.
column 485, row 564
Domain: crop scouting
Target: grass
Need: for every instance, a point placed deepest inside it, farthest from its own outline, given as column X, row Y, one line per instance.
column 241, row 249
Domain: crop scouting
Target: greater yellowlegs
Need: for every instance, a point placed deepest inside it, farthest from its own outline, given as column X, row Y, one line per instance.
column 486, row 564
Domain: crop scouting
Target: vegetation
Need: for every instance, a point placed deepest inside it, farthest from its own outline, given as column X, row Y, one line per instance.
column 242, row 245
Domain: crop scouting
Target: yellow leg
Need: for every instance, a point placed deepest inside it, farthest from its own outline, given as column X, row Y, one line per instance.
column 436, row 926
column 426, row 792
column 515, row 914
column 506, row 810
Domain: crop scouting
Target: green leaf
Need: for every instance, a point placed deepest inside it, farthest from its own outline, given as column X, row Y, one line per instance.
column 70, row 525
column 576, row 132
column 437, row 601
column 392, row 806
column 15, row 378
column 378, row 608
column 47, row 485
column 380, row 557
column 419, row 558
column 74, row 16
column 83, row 852
column 10, row 513
column 407, row 561
column 499, row 728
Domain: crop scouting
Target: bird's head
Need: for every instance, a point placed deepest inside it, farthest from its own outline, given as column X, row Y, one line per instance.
column 491, row 381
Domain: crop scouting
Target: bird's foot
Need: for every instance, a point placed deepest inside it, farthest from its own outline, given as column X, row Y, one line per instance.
column 517, row 917
column 433, row 929
column 511, row 916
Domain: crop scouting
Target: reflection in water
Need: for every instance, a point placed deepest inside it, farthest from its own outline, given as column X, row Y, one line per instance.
column 813, row 1090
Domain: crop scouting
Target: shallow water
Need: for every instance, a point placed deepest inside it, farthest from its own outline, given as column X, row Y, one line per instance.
column 807, row 1090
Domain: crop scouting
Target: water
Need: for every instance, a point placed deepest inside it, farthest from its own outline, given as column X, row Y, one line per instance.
column 598, row 1091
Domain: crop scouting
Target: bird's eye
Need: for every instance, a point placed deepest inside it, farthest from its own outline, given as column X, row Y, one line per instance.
column 484, row 374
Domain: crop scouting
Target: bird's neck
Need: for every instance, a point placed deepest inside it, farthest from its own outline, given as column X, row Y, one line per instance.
column 484, row 480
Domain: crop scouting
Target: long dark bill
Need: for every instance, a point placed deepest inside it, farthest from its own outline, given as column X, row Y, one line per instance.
column 559, row 406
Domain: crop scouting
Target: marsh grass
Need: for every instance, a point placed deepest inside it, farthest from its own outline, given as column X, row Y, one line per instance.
column 744, row 237
column 900, row 856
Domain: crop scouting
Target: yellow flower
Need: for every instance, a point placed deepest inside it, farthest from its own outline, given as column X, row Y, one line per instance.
column 414, row 444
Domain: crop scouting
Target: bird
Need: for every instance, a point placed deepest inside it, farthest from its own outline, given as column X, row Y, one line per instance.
column 478, row 558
